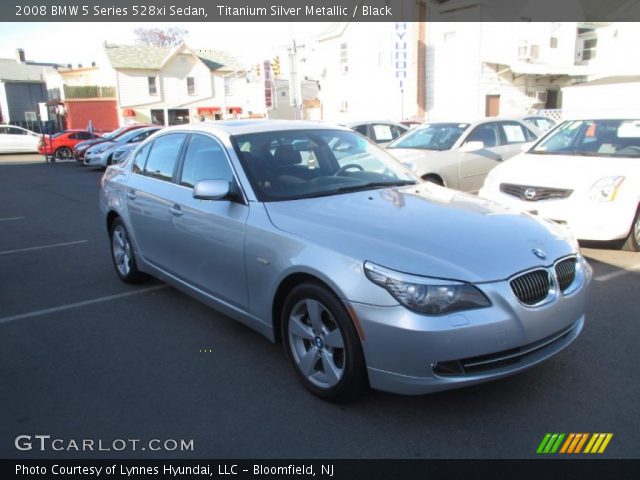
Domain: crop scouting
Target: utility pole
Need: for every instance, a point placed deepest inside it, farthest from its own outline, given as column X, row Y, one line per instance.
column 422, row 60
column 293, row 77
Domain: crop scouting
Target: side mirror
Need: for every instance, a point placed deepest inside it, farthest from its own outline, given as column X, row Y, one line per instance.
column 471, row 147
column 211, row 189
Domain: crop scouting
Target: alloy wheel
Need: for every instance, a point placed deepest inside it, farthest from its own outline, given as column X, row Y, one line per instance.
column 121, row 250
column 316, row 343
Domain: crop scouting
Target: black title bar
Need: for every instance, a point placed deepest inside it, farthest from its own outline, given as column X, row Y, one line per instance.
column 316, row 10
column 578, row 469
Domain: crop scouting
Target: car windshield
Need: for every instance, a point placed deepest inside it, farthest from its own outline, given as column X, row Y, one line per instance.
column 114, row 134
column 602, row 138
column 125, row 137
column 431, row 136
column 287, row 165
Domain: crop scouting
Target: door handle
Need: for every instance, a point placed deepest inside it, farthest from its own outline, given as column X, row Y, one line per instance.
column 131, row 195
column 176, row 210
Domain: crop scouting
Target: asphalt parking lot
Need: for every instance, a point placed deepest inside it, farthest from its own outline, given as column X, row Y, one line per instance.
column 83, row 355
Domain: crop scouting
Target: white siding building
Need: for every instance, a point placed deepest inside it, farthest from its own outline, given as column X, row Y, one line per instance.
column 170, row 86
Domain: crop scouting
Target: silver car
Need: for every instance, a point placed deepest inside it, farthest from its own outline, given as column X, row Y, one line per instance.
column 461, row 154
column 102, row 154
column 315, row 237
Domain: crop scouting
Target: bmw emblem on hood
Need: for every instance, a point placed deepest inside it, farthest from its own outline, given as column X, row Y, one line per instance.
column 539, row 253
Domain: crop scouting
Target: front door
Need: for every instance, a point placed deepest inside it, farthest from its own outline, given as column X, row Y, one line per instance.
column 210, row 233
column 475, row 165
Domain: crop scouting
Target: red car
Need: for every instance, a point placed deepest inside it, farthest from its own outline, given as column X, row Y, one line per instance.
column 61, row 144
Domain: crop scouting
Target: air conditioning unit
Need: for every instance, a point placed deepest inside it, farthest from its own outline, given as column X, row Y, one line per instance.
column 528, row 52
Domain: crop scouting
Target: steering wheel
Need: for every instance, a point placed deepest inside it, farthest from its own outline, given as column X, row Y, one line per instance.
column 346, row 167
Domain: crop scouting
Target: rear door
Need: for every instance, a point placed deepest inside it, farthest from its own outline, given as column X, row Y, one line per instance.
column 515, row 136
column 151, row 196
column 20, row 140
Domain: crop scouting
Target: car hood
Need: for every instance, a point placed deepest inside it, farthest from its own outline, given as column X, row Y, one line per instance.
column 562, row 171
column 412, row 154
column 425, row 230
column 103, row 144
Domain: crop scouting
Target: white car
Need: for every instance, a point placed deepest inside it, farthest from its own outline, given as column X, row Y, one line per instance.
column 459, row 155
column 585, row 173
column 17, row 139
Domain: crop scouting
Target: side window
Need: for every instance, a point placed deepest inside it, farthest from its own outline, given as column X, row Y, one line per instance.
column 3, row 130
column 397, row 131
column 204, row 159
column 140, row 137
column 74, row 136
column 361, row 129
column 164, row 156
column 382, row 133
column 513, row 132
column 16, row 131
column 486, row 133
column 530, row 135
column 140, row 159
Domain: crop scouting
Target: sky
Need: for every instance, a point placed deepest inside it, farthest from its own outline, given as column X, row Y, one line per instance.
column 76, row 43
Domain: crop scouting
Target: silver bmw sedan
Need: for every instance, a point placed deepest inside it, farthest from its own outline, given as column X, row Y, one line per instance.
column 317, row 238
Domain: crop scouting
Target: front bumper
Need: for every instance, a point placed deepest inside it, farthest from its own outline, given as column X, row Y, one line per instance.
column 95, row 160
column 405, row 351
column 587, row 220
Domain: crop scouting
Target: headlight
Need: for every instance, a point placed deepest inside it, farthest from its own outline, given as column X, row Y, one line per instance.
column 118, row 153
column 102, row 149
column 426, row 295
column 605, row 189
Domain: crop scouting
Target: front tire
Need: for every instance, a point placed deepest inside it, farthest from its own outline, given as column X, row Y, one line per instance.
column 321, row 342
column 633, row 240
column 122, row 254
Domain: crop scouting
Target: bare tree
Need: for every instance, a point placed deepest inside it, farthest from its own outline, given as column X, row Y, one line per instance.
column 157, row 37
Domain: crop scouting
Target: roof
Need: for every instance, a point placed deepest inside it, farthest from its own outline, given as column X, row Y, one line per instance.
column 240, row 127
column 10, row 70
column 153, row 58
column 609, row 81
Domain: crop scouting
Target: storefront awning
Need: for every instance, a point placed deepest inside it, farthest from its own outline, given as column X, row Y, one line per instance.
column 208, row 110
column 234, row 109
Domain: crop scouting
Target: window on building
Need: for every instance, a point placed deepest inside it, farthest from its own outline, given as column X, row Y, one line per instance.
column 344, row 106
column 191, row 85
column 553, row 42
column 344, row 58
column 153, row 87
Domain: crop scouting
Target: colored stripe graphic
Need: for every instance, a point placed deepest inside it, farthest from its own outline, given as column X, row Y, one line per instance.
column 598, row 443
column 573, row 443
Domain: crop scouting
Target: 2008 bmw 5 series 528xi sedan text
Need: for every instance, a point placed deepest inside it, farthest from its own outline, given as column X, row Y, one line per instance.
column 315, row 237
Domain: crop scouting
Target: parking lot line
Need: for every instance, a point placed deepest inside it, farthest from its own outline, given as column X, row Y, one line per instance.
column 619, row 273
column 11, row 218
column 53, row 245
column 84, row 303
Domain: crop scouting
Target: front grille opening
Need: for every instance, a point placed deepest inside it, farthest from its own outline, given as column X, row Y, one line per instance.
column 566, row 273
column 505, row 358
column 532, row 193
column 532, row 287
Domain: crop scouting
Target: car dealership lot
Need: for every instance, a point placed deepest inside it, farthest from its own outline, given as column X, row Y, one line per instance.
column 83, row 355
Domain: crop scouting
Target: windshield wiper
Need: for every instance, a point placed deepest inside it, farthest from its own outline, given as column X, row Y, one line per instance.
column 366, row 186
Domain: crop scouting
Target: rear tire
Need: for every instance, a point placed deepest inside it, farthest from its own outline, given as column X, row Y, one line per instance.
column 632, row 242
column 122, row 254
column 321, row 342
column 63, row 153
